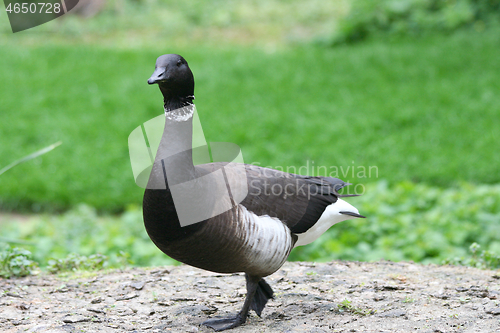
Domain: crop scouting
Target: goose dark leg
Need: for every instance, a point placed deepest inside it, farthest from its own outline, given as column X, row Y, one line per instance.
column 241, row 317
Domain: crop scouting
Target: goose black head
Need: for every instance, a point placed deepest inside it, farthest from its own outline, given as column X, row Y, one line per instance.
column 175, row 80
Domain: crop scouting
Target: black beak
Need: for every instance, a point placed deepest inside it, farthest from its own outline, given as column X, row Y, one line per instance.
column 158, row 75
column 353, row 214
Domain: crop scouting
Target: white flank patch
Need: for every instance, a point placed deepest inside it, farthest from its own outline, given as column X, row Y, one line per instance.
column 268, row 241
column 330, row 216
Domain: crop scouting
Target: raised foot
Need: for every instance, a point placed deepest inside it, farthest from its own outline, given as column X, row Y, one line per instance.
column 224, row 323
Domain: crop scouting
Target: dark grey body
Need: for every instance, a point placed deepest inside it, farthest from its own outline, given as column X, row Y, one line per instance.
column 257, row 234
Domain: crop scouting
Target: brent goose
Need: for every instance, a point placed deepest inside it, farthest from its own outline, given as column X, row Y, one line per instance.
column 256, row 235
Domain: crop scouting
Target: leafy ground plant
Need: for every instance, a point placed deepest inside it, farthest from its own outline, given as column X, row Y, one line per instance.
column 17, row 262
column 75, row 262
column 483, row 259
column 346, row 305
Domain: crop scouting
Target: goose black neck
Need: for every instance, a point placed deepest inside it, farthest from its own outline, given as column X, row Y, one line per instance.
column 176, row 99
column 173, row 162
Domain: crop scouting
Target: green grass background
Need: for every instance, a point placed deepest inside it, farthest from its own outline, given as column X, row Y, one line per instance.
column 424, row 111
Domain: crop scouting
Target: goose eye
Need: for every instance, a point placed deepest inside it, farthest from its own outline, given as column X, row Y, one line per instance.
column 179, row 63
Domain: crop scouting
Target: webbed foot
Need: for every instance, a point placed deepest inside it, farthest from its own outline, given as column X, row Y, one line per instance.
column 221, row 324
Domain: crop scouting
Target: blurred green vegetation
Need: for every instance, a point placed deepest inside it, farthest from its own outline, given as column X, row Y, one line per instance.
column 76, row 262
column 416, row 222
column 414, row 17
column 417, row 101
column 479, row 259
column 424, row 110
column 406, row 221
column 52, row 238
column 130, row 23
column 127, row 23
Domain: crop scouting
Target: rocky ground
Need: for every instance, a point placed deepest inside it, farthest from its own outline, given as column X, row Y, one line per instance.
column 331, row 297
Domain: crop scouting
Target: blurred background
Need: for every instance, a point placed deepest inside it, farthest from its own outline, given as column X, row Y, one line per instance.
column 399, row 97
